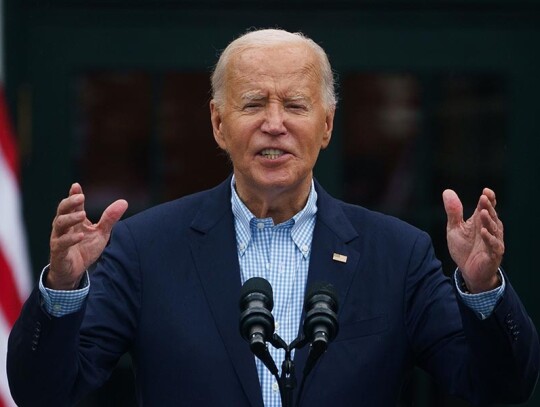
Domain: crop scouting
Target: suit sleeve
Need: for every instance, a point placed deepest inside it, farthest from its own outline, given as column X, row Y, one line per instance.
column 495, row 360
column 56, row 361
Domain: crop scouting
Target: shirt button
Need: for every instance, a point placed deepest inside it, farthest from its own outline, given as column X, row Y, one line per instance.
column 57, row 307
column 275, row 387
column 305, row 248
column 276, row 326
column 241, row 246
column 267, row 266
column 260, row 225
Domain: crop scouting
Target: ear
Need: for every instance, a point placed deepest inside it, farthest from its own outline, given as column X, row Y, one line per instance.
column 329, row 126
column 215, row 117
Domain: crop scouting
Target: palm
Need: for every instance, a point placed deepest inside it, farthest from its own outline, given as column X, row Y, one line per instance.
column 85, row 253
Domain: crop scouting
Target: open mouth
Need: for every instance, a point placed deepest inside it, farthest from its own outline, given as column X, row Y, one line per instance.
column 272, row 153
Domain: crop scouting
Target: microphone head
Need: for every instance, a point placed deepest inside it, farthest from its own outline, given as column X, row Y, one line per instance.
column 260, row 286
column 256, row 319
column 321, row 307
column 321, row 291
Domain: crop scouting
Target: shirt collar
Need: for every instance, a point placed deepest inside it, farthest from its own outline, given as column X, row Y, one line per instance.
column 301, row 231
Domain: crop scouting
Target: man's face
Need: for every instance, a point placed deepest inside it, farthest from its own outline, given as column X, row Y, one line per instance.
column 273, row 122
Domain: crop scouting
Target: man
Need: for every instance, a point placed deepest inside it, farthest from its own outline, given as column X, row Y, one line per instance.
column 166, row 287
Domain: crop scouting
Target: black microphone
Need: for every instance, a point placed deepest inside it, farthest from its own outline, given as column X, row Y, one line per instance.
column 256, row 319
column 320, row 322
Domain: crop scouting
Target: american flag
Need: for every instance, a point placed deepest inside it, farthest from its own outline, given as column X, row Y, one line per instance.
column 14, row 266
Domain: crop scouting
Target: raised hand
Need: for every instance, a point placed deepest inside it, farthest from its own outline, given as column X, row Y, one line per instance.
column 76, row 242
column 476, row 245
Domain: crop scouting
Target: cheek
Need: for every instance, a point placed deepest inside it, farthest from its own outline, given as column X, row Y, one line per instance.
column 240, row 137
column 234, row 143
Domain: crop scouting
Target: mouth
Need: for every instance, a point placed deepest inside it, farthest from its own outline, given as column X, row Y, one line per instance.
column 272, row 153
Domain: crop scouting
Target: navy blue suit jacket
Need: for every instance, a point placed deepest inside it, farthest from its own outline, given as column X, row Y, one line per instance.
column 166, row 290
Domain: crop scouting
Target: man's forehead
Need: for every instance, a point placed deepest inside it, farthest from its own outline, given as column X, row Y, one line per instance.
column 274, row 60
column 288, row 71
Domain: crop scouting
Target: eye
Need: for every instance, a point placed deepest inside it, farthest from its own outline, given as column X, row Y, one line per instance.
column 252, row 106
column 297, row 106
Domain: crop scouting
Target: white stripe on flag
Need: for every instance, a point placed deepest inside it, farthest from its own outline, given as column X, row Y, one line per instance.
column 5, row 395
column 12, row 239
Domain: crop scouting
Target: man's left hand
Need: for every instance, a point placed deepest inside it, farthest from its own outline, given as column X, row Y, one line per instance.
column 476, row 245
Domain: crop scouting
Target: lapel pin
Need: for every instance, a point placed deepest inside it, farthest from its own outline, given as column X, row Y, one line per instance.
column 339, row 257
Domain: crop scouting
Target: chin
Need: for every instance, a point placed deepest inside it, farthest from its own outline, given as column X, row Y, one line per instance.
column 279, row 182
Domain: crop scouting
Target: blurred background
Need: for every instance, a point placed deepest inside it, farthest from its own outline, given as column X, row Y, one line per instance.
column 432, row 95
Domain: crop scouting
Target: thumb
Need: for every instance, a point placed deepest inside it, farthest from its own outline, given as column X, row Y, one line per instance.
column 111, row 215
column 453, row 208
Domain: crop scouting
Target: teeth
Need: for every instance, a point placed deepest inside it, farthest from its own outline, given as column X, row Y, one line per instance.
column 272, row 153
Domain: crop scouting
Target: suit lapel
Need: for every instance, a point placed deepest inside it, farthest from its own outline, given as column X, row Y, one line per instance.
column 332, row 235
column 215, row 254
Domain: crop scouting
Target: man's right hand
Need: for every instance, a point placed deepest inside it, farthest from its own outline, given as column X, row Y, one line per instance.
column 76, row 242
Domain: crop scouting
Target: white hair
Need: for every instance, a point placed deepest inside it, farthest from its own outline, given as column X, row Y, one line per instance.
column 272, row 37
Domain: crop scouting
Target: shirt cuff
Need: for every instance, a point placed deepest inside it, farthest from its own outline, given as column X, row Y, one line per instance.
column 63, row 302
column 483, row 303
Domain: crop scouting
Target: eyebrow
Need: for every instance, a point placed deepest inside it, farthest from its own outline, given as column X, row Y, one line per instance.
column 253, row 95
column 298, row 96
column 258, row 95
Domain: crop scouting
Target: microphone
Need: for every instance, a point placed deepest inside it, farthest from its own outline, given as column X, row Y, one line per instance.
column 256, row 319
column 320, row 323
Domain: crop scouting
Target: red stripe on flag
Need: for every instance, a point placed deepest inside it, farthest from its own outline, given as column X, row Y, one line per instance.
column 10, row 302
column 1, row 402
column 7, row 144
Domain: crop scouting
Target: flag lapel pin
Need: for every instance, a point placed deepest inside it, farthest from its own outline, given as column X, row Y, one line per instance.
column 339, row 257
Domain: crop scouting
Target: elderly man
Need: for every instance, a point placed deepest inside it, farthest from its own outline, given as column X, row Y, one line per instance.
column 166, row 287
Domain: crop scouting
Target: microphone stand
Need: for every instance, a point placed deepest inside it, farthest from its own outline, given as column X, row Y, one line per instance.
column 287, row 381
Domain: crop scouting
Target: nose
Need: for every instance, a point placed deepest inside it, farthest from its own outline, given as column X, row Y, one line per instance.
column 274, row 120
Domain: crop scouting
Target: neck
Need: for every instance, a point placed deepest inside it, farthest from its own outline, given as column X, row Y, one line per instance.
column 279, row 204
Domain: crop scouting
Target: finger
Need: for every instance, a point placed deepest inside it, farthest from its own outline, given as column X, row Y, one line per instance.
column 487, row 205
column 494, row 226
column 111, row 215
column 489, row 223
column 493, row 244
column 72, row 203
column 453, row 208
column 490, row 194
column 62, row 243
column 62, row 223
column 76, row 189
